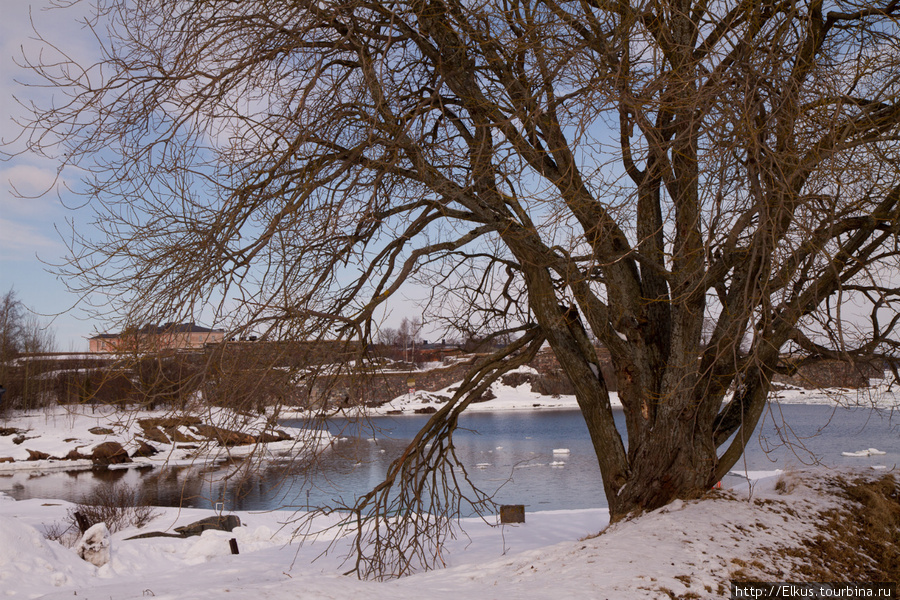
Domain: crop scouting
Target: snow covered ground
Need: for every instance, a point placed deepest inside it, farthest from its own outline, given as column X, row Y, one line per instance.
column 880, row 394
column 58, row 430
column 688, row 549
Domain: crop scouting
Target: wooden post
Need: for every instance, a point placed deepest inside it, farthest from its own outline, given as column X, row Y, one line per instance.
column 233, row 543
column 512, row 513
column 83, row 523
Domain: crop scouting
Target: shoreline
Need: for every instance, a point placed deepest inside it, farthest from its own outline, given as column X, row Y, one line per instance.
column 214, row 435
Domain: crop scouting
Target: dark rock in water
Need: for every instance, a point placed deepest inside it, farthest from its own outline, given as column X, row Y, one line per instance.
column 101, row 431
column 222, row 523
column 109, row 453
column 428, row 410
column 144, row 449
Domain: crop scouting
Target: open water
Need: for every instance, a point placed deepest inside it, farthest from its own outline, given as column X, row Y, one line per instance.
column 516, row 455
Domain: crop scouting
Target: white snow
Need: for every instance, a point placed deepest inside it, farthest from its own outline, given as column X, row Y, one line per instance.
column 56, row 431
column 686, row 547
column 880, row 394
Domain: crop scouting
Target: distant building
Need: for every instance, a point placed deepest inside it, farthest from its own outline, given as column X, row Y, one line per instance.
column 151, row 338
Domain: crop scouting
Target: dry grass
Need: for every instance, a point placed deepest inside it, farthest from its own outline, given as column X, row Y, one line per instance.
column 858, row 542
column 119, row 506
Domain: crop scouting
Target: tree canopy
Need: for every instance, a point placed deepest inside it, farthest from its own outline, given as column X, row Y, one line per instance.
column 701, row 187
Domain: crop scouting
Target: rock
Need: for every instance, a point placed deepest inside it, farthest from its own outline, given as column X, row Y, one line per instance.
column 37, row 455
column 75, row 455
column 94, row 546
column 109, row 453
column 224, row 437
column 155, row 434
column 7, row 459
column 428, row 410
column 220, row 523
column 18, row 439
column 154, row 427
column 144, row 449
column 154, row 534
column 4, row 431
column 178, row 436
column 166, row 422
column 274, row 436
column 101, row 431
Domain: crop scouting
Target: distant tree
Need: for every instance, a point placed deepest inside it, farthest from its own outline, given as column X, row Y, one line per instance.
column 11, row 326
column 387, row 336
column 20, row 330
column 408, row 336
column 633, row 169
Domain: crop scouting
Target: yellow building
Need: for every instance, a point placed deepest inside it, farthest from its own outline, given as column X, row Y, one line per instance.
column 152, row 338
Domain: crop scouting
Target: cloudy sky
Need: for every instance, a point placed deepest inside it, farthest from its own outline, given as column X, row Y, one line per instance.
column 34, row 219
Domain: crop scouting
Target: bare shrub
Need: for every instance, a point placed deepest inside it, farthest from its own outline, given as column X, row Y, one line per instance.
column 119, row 506
column 786, row 482
column 63, row 532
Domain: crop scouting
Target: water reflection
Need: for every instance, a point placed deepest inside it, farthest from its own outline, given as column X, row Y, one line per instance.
column 510, row 454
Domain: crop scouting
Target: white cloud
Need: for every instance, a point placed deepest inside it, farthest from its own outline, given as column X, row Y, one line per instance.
column 28, row 181
column 21, row 241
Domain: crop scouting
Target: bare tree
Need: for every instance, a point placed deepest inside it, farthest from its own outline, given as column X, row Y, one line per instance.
column 408, row 336
column 548, row 169
column 21, row 330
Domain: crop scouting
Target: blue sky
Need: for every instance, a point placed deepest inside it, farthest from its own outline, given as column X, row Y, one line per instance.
column 31, row 227
column 36, row 213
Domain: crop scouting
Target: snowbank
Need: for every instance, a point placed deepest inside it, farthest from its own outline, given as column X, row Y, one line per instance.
column 687, row 548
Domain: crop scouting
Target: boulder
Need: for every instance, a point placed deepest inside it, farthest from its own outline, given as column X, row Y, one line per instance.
column 144, row 449
column 7, row 459
column 109, row 453
column 101, row 431
column 219, row 523
column 75, row 454
column 224, row 437
column 179, row 436
column 37, row 455
column 94, row 546
column 155, row 434
column 273, row 436
column 166, row 422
